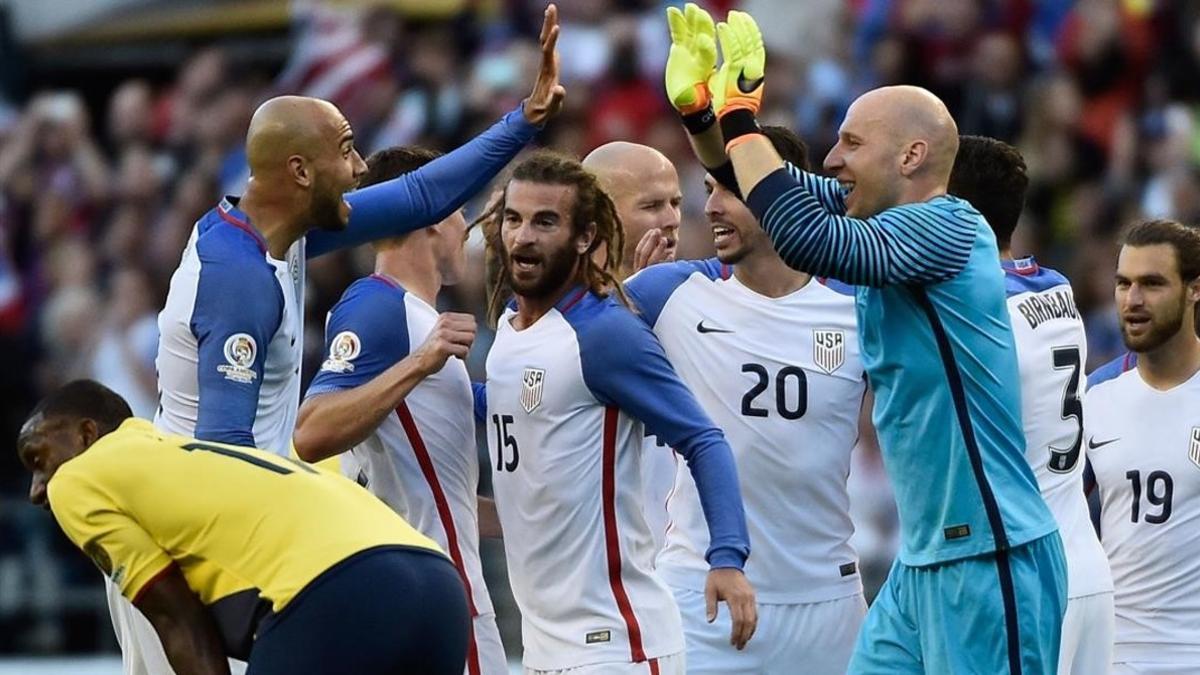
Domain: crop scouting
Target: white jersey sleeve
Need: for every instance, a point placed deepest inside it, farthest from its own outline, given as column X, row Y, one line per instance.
column 1051, row 352
column 1144, row 447
column 783, row 378
column 231, row 337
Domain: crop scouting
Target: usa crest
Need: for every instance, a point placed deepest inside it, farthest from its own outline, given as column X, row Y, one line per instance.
column 240, row 350
column 531, row 388
column 829, row 349
column 343, row 349
column 1194, row 447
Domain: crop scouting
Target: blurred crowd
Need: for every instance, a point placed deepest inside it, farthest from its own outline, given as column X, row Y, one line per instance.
column 97, row 197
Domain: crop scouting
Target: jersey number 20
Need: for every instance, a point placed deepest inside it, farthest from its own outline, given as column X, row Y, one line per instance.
column 787, row 380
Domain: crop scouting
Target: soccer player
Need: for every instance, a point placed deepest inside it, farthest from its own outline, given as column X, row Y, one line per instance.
column 1051, row 351
column 231, row 333
column 772, row 355
column 644, row 187
column 979, row 547
column 1143, row 435
column 233, row 551
column 571, row 378
column 390, row 391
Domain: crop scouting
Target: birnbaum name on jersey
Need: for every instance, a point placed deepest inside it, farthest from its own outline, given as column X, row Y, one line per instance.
column 1042, row 307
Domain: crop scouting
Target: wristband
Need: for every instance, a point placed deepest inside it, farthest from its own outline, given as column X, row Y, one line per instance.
column 699, row 121
column 736, row 123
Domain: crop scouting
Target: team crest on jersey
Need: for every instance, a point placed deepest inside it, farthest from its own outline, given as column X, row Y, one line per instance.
column 829, row 349
column 531, row 388
column 344, row 348
column 1194, row 447
column 240, row 350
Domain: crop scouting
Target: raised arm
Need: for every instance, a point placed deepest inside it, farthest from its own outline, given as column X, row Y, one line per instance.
column 431, row 193
column 920, row 243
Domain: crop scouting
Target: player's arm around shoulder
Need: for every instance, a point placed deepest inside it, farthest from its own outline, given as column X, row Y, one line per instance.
column 369, row 370
column 624, row 365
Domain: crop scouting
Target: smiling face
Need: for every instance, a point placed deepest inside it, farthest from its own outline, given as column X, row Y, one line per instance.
column 736, row 233
column 542, row 247
column 45, row 443
column 1153, row 301
column 866, row 160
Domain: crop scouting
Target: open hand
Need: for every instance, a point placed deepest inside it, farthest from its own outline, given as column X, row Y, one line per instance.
column 692, row 58
column 546, row 99
column 730, row 585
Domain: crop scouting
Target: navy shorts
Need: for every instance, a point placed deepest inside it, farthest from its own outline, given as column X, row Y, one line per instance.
column 381, row 611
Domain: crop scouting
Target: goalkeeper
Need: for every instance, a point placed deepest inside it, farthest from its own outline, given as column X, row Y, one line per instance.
column 980, row 554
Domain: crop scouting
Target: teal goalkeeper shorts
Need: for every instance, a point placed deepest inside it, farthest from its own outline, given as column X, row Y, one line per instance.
column 999, row 613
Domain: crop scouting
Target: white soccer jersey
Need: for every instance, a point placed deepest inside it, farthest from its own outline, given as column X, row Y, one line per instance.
column 233, row 327
column 421, row 460
column 564, row 400
column 783, row 378
column 1051, row 351
column 1144, row 446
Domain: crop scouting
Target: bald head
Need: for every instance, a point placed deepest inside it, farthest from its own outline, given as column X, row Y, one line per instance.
column 292, row 125
column 914, row 114
column 644, row 186
column 896, row 146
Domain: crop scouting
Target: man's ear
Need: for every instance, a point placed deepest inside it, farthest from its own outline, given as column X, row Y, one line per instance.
column 1193, row 290
column 914, row 157
column 300, row 171
column 89, row 431
column 583, row 242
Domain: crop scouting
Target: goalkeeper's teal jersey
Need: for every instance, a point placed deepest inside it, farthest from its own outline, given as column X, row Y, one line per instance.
column 939, row 352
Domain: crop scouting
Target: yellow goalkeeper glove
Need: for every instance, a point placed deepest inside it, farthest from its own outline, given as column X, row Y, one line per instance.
column 738, row 85
column 692, row 59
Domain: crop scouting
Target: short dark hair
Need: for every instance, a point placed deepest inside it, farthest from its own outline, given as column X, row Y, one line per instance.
column 1184, row 239
column 86, row 399
column 789, row 146
column 990, row 174
column 396, row 161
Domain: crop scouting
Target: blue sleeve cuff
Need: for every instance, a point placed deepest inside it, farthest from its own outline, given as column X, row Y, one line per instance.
column 721, row 558
column 768, row 191
column 522, row 127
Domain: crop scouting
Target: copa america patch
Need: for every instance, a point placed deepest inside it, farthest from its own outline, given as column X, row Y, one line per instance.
column 829, row 349
column 240, row 350
column 343, row 349
column 531, row 388
column 1194, row 447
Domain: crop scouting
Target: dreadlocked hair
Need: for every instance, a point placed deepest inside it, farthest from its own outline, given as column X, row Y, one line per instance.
column 592, row 205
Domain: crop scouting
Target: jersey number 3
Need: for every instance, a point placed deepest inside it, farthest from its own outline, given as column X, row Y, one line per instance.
column 1063, row 460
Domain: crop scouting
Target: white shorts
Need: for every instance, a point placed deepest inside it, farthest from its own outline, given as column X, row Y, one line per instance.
column 141, row 650
column 1086, row 647
column 672, row 664
column 489, row 651
column 819, row 635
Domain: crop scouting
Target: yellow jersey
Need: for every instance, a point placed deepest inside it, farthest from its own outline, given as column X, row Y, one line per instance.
column 247, row 528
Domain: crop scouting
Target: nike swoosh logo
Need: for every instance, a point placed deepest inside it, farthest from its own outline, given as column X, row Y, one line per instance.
column 1092, row 444
column 705, row 329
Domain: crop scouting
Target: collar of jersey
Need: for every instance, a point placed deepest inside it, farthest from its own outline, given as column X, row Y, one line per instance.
column 231, row 214
column 1026, row 266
